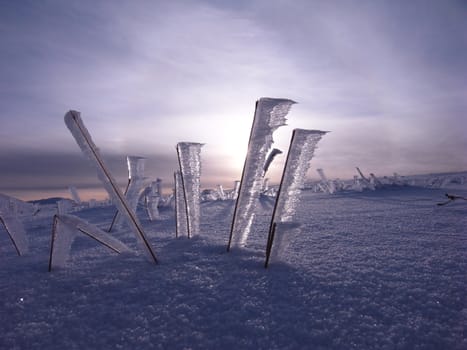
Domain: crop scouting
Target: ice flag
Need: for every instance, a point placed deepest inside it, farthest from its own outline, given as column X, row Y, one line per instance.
column 83, row 138
column 270, row 114
column 10, row 210
column 136, row 182
column 181, row 218
column 189, row 157
column 301, row 151
column 66, row 228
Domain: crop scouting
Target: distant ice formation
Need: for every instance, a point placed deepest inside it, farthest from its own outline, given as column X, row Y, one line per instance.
column 74, row 194
column 83, row 138
column 136, row 182
column 328, row 185
column 270, row 114
column 301, row 151
column 152, row 198
column 189, row 157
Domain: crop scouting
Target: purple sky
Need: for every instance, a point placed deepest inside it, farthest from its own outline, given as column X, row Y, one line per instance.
column 388, row 78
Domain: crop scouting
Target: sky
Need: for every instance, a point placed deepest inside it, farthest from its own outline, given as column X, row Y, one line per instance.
column 386, row 78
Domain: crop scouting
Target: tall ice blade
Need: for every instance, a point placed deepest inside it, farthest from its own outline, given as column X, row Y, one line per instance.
column 301, row 151
column 189, row 156
column 270, row 114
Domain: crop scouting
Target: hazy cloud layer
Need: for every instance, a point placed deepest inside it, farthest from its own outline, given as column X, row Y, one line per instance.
column 387, row 78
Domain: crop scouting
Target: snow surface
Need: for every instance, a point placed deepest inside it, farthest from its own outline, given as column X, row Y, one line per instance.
column 383, row 269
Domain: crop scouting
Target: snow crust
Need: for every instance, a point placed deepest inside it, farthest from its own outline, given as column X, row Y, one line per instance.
column 383, row 269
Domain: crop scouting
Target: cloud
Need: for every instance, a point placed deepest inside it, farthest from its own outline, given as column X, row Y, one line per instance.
column 383, row 77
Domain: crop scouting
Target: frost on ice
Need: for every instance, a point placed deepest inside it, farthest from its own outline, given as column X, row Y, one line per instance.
column 11, row 209
column 66, row 228
column 270, row 114
column 136, row 182
column 181, row 218
column 83, row 138
column 301, row 151
column 189, row 157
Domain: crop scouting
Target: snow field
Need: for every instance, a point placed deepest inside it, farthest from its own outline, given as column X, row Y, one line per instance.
column 373, row 270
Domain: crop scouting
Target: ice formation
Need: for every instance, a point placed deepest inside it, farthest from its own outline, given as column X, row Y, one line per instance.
column 270, row 158
column 152, row 198
column 189, row 157
column 235, row 190
column 181, row 218
column 11, row 209
column 329, row 186
column 270, row 114
column 136, row 182
column 221, row 193
column 65, row 230
column 365, row 180
column 74, row 194
column 83, row 138
column 301, row 150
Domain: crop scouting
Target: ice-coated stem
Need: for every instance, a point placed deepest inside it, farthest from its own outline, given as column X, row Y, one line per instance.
column 301, row 150
column 189, row 157
column 270, row 114
column 83, row 138
column 134, row 187
column 181, row 215
column 64, row 231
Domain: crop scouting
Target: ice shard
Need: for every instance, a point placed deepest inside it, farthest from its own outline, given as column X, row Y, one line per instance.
column 152, row 197
column 235, row 190
column 181, row 216
column 136, row 182
column 327, row 184
column 189, row 157
column 302, row 147
column 221, row 193
column 365, row 180
column 83, row 138
column 375, row 182
column 65, row 230
column 270, row 114
column 11, row 209
column 74, row 194
column 270, row 158
column 16, row 232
